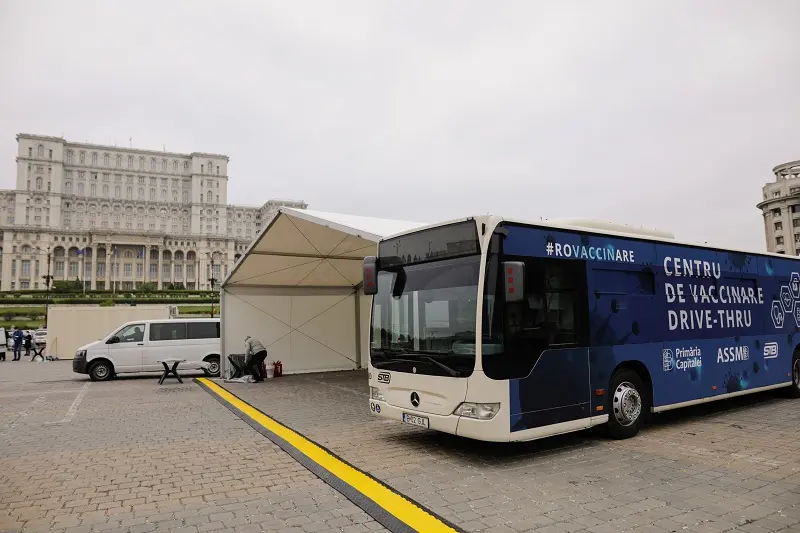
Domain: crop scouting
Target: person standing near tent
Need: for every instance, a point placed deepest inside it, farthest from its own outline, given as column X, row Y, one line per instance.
column 255, row 353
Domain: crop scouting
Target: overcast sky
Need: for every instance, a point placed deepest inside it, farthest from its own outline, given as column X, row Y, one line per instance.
column 667, row 114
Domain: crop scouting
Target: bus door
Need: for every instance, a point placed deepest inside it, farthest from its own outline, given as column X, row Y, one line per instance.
column 546, row 355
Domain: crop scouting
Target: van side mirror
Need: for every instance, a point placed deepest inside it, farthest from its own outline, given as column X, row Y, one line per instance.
column 514, row 280
column 113, row 340
column 370, row 275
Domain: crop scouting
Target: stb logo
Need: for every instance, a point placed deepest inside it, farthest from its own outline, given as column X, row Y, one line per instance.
column 667, row 360
column 384, row 377
column 771, row 350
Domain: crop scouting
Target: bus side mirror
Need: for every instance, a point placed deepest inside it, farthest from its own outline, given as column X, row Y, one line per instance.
column 370, row 275
column 514, row 280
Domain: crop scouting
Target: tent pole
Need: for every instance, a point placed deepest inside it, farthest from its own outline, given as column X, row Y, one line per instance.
column 223, row 355
column 357, row 300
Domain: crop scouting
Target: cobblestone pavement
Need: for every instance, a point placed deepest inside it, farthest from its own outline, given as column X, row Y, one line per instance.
column 130, row 455
column 730, row 466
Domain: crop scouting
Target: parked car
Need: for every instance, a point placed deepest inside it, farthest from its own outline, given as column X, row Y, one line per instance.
column 139, row 346
column 40, row 337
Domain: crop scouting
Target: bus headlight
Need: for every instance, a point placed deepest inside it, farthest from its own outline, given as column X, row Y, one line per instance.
column 480, row 411
column 376, row 394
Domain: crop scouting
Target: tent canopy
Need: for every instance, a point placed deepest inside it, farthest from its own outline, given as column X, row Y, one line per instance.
column 297, row 290
column 304, row 248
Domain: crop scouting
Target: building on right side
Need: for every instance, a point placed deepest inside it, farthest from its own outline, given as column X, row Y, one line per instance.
column 781, row 210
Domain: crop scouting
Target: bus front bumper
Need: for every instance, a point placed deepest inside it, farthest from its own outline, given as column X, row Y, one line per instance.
column 444, row 423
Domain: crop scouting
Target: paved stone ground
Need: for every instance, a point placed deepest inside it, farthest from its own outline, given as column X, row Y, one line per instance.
column 730, row 466
column 132, row 456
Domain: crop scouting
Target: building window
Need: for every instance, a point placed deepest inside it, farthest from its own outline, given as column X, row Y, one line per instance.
column 163, row 195
column 186, row 197
column 208, row 197
column 38, row 184
column 163, row 165
column 80, row 189
column 202, row 169
column 778, row 226
column 50, row 156
column 93, row 189
column 141, row 163
column 30, row 152
column 777, row 212
column 141, row 193
column 73, row 270
column 779, row 240
column 94, row 158
column 130, row 161
column 40, row 151
column 106, row 160
column 175, row 167
column 165, row 270
column 129, row 193
column 776, row 194
column 185, row 165
column 69, row 156
column 105, row 191
column 101, row 270
column 152, row 195
column 152, row 163
column 117, row 191
column 119, row 161
column 82, row 157
column 26, row 268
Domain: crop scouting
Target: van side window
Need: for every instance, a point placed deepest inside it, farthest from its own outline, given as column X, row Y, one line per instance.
column 132, row 333
column 168, row 331
column 203, row 330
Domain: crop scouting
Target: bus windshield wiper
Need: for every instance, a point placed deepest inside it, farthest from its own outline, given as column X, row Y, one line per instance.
column 427, row 358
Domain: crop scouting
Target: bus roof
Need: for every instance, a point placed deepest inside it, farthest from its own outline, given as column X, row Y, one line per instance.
column 596, row 227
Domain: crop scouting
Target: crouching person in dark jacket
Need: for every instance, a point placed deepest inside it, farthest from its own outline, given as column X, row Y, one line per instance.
column 255, row 355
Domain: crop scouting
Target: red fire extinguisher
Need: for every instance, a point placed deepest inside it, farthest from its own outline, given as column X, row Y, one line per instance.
column 278, row 372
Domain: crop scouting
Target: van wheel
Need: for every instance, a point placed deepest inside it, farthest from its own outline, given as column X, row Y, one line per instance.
column 794, row 390
column 101, row 371
column 628, row 404
column 213, row 368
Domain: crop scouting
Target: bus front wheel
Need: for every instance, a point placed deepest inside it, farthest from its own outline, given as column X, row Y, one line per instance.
column 628, row 404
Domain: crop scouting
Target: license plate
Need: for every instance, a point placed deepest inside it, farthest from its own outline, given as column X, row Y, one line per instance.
column 415, row 420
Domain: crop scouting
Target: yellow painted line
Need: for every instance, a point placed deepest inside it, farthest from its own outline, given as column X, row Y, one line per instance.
column 395, row 504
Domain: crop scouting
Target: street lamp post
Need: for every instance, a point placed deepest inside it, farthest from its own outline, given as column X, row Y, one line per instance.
column 212, row 280
column 47, row 279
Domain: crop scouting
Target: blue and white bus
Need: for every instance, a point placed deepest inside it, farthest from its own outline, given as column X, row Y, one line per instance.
column 502, row 330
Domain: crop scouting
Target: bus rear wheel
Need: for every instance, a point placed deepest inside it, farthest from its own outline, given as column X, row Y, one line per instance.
column 627, row 404
column 794, row 390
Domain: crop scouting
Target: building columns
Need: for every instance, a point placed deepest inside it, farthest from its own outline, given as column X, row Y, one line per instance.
column 108, row 267
column 93, row 277
column 160, row 273
column 147, row 264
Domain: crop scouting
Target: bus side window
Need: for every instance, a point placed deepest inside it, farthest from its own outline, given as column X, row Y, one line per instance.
column 550, row 316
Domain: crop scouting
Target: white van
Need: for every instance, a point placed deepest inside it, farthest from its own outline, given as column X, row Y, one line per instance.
column 139, row 346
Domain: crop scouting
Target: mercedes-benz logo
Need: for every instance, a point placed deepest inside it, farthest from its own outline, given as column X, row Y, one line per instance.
column 415, row 399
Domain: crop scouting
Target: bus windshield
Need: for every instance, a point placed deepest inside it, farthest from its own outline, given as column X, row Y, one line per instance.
column 423, row 318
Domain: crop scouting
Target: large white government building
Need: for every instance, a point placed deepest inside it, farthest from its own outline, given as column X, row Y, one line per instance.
column 117, row 217
column 781, row 209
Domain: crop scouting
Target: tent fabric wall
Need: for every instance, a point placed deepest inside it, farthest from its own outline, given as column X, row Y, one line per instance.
column 297, row 290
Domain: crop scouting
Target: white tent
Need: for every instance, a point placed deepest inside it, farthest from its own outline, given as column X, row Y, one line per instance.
column 297, row 289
